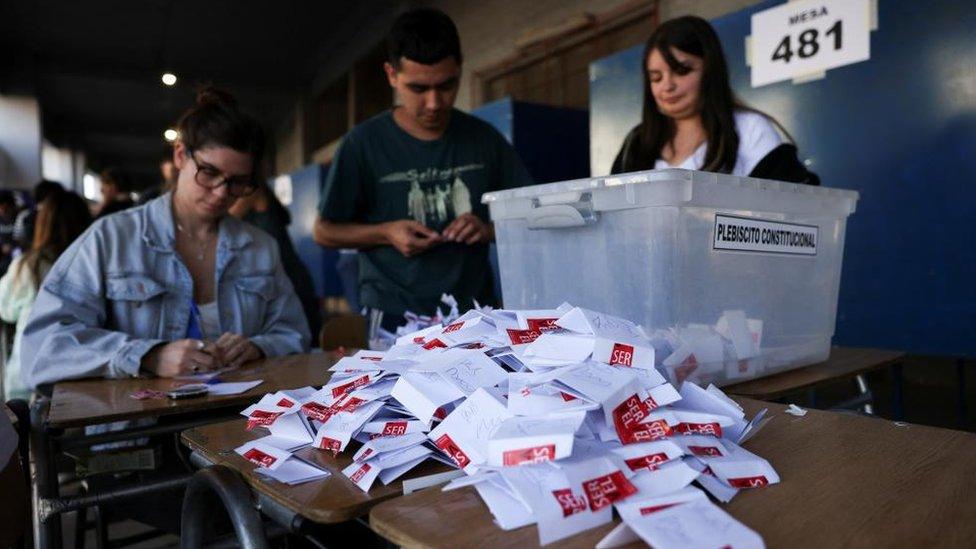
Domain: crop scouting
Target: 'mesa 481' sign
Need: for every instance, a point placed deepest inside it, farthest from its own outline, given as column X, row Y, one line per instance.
column 798, row 39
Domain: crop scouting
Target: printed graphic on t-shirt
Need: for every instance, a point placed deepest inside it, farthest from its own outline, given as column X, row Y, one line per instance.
column 442, row 197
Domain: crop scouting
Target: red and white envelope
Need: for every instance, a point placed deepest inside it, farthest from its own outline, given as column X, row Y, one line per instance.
column 597, row 382
column 532, row 394
column 465, row 369
column 637, row 507
column 362, row 474
column 647, row 456
column 702, row 446
column 668, row 478
column 524, row 440
column 694, row 523
column 336, row 432
column 381, row 445
column 560, row 348
column 262, row 455
column 691, row 423
column 464, row 434
column 424, row 393
column 542, row 320
column 395, row 427
column 348, row 364
column 629, row 353
column 419, row 337
column 471, row 327
column 295, row 471
column 337, row 388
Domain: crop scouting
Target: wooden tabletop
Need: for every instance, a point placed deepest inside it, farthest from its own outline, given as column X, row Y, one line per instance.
column 335, row 499
column 843, row 362
column 846, row 481
column 92, row 401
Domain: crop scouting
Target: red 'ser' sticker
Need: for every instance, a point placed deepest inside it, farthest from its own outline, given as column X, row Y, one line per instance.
column 748, row 482
column 257, row 456
column 570, row 502
column 395, row 428
column 447, row 444
column 605, row 490
column 649, row 462
column 537, row 454
column 622, row 355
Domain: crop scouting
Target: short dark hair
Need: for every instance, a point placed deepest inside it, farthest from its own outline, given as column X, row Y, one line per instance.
column 426, row 36
column 7, row 197
column 216, row 120
column 113, row 175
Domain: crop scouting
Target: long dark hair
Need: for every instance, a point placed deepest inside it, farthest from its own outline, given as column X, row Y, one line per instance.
column 694, row 36
column 61, row 218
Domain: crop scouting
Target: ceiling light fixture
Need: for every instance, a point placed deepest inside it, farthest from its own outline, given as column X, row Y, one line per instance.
column 169, row 79
column 171, row 134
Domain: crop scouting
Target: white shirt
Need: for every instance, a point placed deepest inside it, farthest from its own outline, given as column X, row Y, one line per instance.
column 757, row 138
column 209, row 320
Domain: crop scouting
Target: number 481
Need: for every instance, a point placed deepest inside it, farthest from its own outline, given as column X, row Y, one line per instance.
column 808, row 43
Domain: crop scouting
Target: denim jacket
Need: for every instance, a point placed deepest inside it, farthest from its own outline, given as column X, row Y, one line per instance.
column 121, row 289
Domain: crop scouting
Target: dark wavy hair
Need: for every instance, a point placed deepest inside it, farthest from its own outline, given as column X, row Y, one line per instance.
column 694, row 36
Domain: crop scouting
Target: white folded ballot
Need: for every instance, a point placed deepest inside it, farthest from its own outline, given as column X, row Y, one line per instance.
column 556, row 417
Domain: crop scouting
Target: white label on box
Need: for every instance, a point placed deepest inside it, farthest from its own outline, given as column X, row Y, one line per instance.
column 749, row 234
column 807, row 37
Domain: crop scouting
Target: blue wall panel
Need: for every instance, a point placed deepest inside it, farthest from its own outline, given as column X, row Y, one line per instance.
column 320, row 261
column 900, row 129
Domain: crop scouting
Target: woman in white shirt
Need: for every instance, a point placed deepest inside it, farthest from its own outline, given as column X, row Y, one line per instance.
column 691, row 118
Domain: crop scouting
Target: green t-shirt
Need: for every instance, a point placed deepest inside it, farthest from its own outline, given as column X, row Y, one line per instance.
column 381, row 173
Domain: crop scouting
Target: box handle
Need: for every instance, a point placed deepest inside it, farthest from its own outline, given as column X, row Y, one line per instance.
column 561, row 216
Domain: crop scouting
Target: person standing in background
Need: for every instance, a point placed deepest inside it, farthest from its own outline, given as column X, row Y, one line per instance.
column 169, row 174
column 405, row 186
column 116, row 189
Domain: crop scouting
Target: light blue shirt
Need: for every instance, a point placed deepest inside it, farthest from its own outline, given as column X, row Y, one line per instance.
column 121, row 289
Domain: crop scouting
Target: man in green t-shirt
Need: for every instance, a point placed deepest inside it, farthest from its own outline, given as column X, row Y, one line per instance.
column 405, row 186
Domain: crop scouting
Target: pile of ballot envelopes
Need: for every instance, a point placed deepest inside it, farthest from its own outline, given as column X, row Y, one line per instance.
column 556, row 417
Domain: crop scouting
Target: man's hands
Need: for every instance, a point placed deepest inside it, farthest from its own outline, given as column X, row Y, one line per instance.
column 409, row 237
column 190, row 356
column 469, row 229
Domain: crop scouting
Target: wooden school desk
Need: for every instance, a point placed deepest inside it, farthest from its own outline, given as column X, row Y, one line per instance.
column 76, row 404
column 846, row 481
column 296, row 508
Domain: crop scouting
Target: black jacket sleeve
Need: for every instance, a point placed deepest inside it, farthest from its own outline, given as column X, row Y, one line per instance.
column 783, row 164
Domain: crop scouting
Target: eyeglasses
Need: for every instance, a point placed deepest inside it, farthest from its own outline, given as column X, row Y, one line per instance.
column 209, row 177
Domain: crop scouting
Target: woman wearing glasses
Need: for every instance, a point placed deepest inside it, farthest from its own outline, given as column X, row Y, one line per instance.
column 176, row 285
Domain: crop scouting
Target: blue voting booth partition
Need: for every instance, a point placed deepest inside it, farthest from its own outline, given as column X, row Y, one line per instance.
column 899, row 128
column 321, row 262
column 553, row 143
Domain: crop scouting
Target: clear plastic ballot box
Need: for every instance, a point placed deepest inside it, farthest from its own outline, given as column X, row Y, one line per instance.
column 682, row 253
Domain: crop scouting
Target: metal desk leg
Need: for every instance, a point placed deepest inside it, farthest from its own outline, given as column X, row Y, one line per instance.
column 862, row 387
column 223, row 483
column 47, row 530
column 961, row 392
column 898, row 390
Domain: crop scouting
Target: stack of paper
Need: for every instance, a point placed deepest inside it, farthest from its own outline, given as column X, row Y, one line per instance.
column 557, row 417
